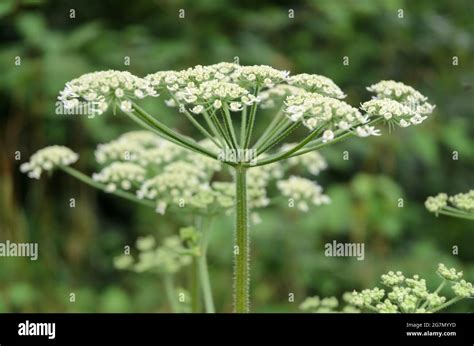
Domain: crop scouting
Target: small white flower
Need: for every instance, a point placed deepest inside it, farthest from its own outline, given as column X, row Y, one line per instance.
column 235, row 106
column 170, row 103
column 47, row 159
column 404, row 123
column 139, row 93
column 366, row 131
column 197, row 109
column 217, row 104
column 111, row 187
column 161, row 207
column 119, row 92
column 126, row 106
column 328, row 136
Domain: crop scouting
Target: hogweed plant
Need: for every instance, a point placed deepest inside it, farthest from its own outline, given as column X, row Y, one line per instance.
column 224, row 101
column 460, row 205
column 143, row 168
column 401, row 295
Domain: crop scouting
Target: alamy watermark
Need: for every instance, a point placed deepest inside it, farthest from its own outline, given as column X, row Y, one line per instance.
column 89, row 109
column 238, row 155
column 336, row 249
column 10, row 249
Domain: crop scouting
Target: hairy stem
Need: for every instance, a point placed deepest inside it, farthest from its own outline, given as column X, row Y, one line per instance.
column 241, row 248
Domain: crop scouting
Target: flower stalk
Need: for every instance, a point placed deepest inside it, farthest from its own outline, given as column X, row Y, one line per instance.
column 242, row 246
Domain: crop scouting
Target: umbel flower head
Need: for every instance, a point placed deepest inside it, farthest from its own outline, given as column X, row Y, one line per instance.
column 460, row 205
column 48, row 159
column 411, row 295
column 209, row 96
column 105, row 88
column 168, row 258
column 222, row 100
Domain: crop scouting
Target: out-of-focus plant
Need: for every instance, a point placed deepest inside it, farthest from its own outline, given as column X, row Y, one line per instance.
column 329, row 304
column 404, row 295
column 460, row 205
column 175, row 253
column 411, row 295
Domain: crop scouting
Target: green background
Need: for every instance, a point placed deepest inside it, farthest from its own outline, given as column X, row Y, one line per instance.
column 77, row 245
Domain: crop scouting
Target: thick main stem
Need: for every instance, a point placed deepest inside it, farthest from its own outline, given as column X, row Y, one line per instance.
column 241, row 248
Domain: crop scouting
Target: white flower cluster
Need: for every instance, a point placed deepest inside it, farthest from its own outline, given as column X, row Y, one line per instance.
column 463, row 289
column 303, row 192
column 326, row 305
column 225, row 194
column 247, row 76
column 271, row 97
column 166, row 259
column 260, row 176
column 394, row 111
column 214, row 93
column 398, row 103
column 410, row 295
column 316, row 304
column 122, row 174
column 393, row 279
column 140, row 147
column 315, row 110
column 177, row 184
column 106, row 88
column 316, row 84
column 464, row 201
column 366, row 297
column 313, row 161
column 259, row 75
column 448, row 274
column 435, row 203
column 48, row 159
column 389, row 89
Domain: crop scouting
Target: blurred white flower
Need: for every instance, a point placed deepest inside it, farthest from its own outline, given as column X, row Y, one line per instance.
column 47, row 159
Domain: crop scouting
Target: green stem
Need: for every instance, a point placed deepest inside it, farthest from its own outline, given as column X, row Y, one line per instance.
column 339, row 135
column 448, row 303
column 163, row 129
column 194, row 121
column 195, row 296
column 440, row 287
column 221, row 130
column 286, row 154
column 458, row 215
column 241, row 248
column 274, row 123
column 273, row 141
column 251, row 121
column 214, row 129
column 243, row 127
column 230, row 126
column 171, row 292
column 274, row 133
column 203, row 268
column 86, row 179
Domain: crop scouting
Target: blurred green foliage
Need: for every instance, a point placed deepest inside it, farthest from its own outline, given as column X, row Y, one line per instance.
column 77, row 245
